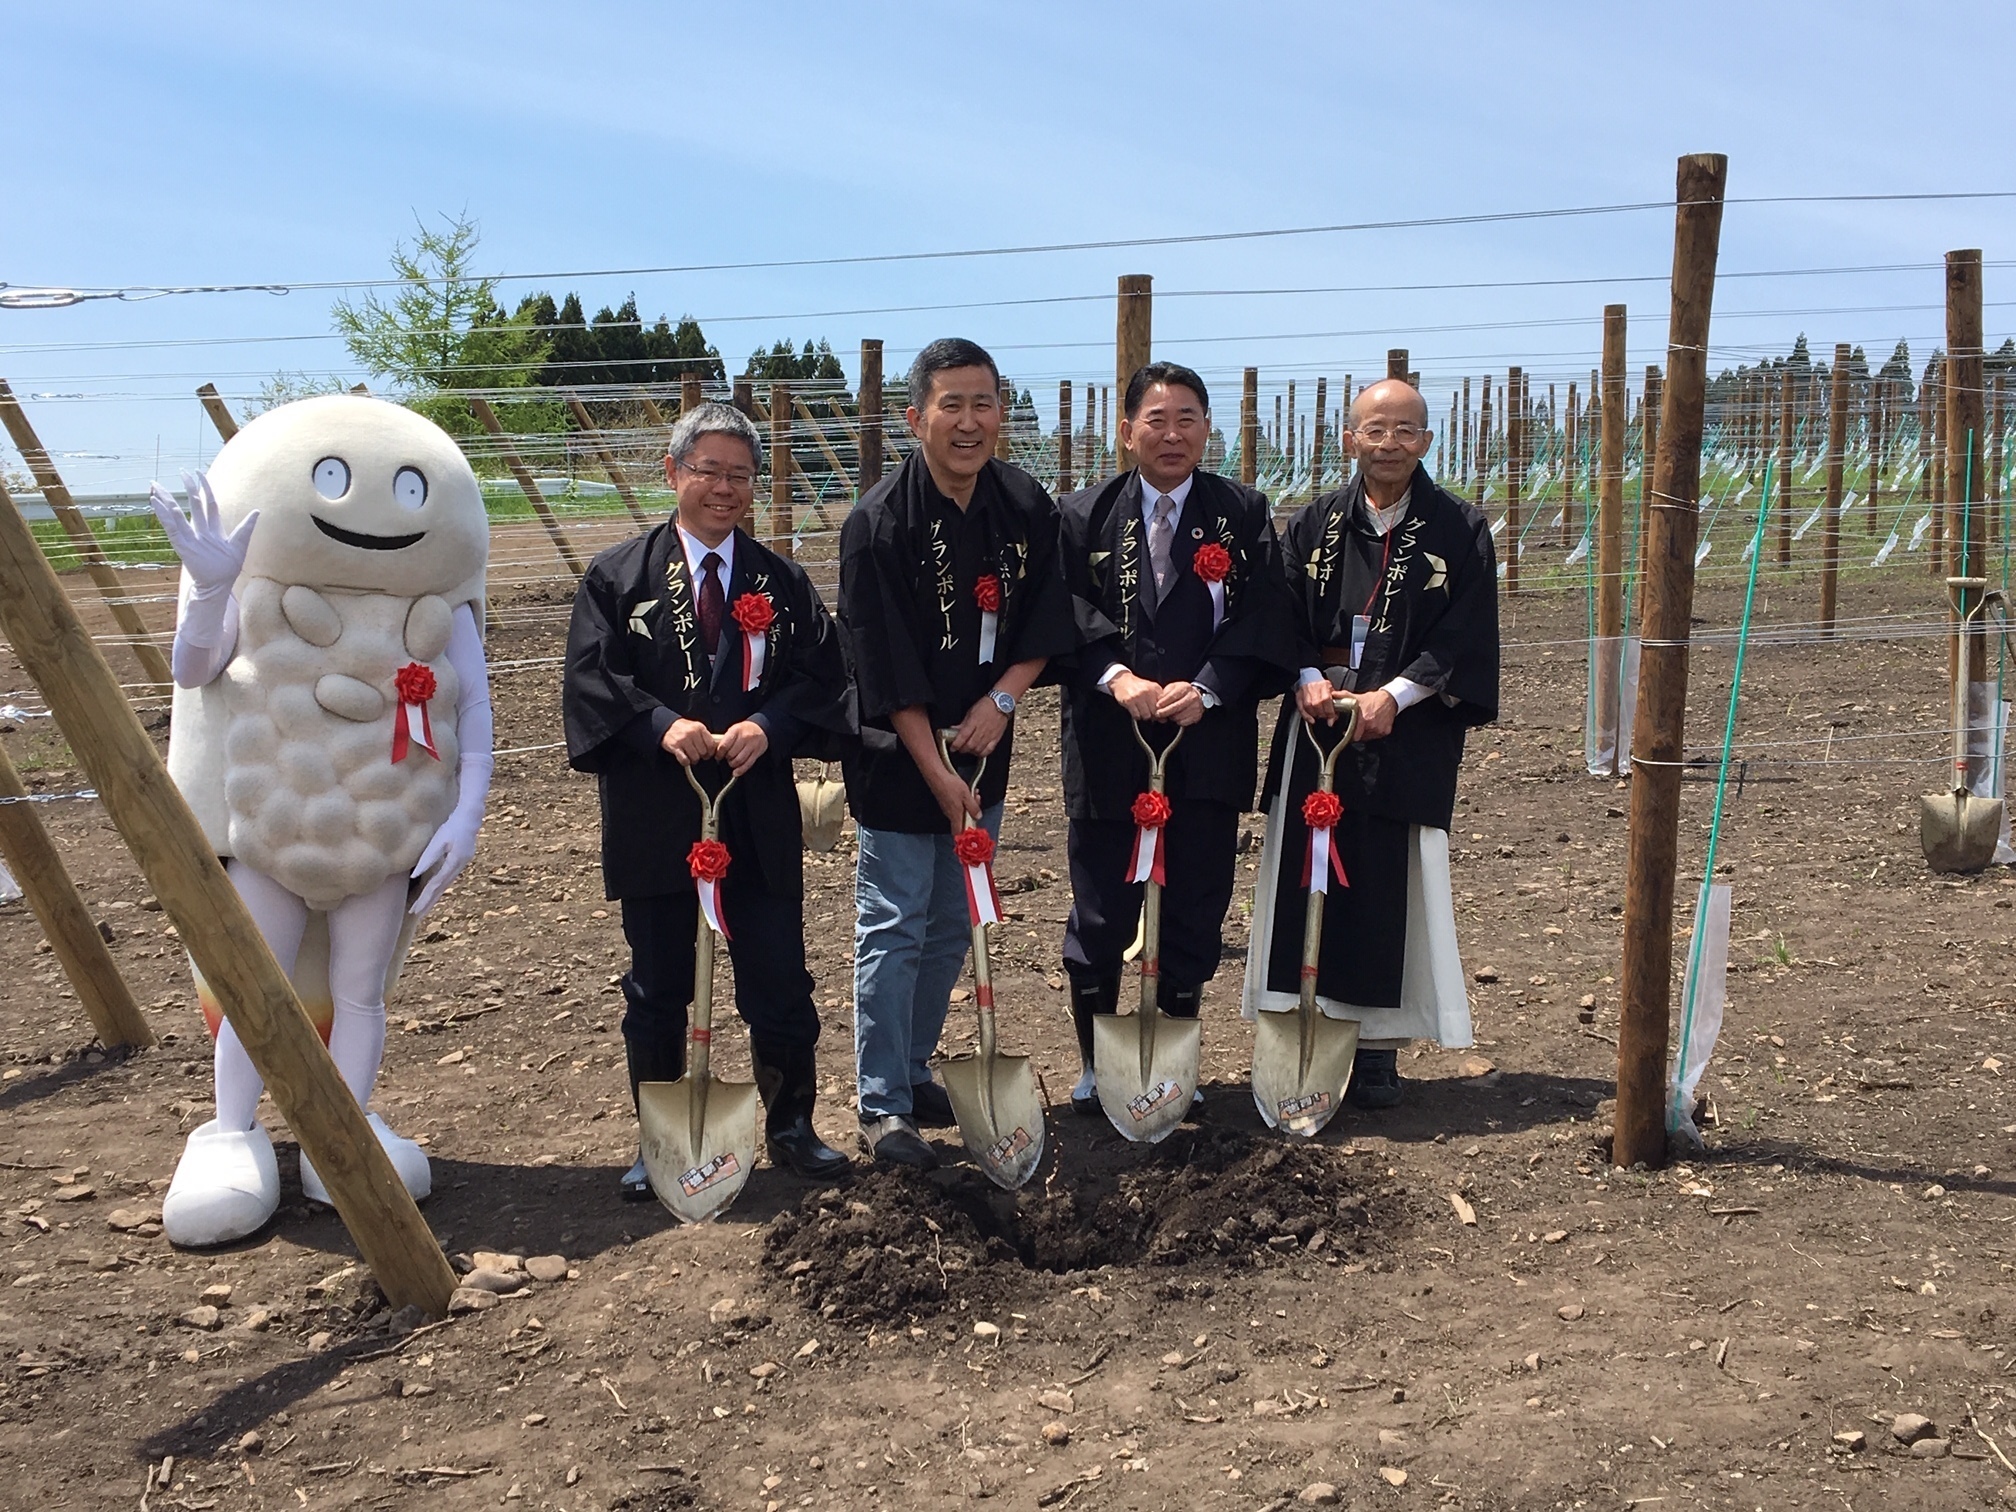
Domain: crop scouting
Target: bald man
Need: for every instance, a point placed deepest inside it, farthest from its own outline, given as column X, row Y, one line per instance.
column 1397, row 583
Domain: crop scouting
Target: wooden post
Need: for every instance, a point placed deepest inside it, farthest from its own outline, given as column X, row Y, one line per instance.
column 1463, row 444
column 143, row 802
column 654, row 416
column 1992, row 494
column 607, row 458
column 1316, row 445
column 1879, row 404
column 1396, row 362
column 691, row 394
column 1786, row 421
column 1830, row 509
column 1659, row 732
column 780, row 523
column 60, row 910
column 1648, row 450
column 1571, row 465
column 1484, row 440
column 1935, row 472
column 1249, row 425
column 1288, row 450
column 218, row 411
column 1610, row 529
column 870, row 466
column 104, row 576
column 1515, row 473
column 1277, row 426
column 1066, row 483
column 533, row 496
column 1132, row 340
column 1965, row 420
column 742, row 394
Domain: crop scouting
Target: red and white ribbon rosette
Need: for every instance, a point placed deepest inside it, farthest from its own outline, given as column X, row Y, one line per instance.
column 415, row 685
column 1321, row 811
column 1212, row 562
column 755, row 614
column 708, row 861
column 1151, row 813
column 975, row 850
column 987, row 594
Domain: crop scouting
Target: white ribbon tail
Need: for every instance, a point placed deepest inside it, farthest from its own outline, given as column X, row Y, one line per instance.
column 710, row 907
column 757, row 646
column 1319, row 860
column 415, row 715
column 1145, row 843
column 990, row 623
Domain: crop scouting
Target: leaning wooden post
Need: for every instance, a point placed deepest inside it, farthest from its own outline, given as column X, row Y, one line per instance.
column 608, row 460
column 1965, row 417
column 1658, row 734
column 1316, row 443
column 1065, row 481
column 869, row 469
column 143, row 802
column 1515, row 473
column 1133, row 328
column 1249, row 428
column 780, row 530
column 527, row 485
column 60, row 910
column 1830, row 508
column 218, row 411
column 1396, row 363
column 104, row 576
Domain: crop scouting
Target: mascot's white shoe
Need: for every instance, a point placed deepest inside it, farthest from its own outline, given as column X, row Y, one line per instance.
column 226, row 1186
column 408, row 1159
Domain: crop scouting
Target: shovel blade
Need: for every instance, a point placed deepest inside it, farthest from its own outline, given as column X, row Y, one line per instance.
column 697, row 1178
column 1148, row 1110
column 1958, row 831
column 1000, row 1114
column 1287, row 1097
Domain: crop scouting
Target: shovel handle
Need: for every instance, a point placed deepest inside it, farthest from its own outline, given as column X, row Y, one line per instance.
column 1346, row 704
column 1158, row 761
column 952, row 766
column 710, row 805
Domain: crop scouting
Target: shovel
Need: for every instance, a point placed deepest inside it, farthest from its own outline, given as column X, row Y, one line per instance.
column 1146, row 1062
column 994, row 1096
column 1302, row 1061
column 699, row 1134
column 1957, row 830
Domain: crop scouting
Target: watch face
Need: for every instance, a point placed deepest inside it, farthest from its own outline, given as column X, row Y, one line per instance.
column 1004, row 702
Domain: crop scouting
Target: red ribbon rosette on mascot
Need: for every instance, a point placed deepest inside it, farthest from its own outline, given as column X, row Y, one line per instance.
column 708, row 861
column 755, row 614
column 987, row 594
column 1151, row 814
column 1321, row 811
column 975, row 850
column 415, row 685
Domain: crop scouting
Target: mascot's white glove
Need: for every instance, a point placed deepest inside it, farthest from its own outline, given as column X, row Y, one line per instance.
column 454, row 844
column 212, row 559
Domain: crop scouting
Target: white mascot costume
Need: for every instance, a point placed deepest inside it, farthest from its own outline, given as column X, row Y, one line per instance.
column 332, row 732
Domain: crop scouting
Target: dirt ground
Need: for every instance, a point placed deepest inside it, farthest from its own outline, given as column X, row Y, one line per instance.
column 1221, row 1321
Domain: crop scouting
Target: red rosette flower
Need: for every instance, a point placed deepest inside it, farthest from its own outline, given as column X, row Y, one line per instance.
column 1151, row 810
column 987, row 592
column 707, row 860
column 1322, row 810
column 414, row 683
column 754, row 613
column 1211, row 562
column 973, row 847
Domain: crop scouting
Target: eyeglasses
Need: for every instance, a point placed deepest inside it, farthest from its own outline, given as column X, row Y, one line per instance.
column 1379, row 435
column 741, row 477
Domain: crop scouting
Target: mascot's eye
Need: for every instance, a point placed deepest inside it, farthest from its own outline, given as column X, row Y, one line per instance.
column 332, row 477
column 409, row 487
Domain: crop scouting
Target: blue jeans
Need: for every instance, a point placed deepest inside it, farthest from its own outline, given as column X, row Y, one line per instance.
column 911, row 934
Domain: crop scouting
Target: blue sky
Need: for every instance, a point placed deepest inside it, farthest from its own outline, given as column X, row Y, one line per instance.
column 207, row 143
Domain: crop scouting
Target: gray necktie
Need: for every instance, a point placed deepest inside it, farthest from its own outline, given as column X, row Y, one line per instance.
column 1161, row 535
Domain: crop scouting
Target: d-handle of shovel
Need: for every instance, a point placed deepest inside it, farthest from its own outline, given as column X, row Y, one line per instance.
column 1346, row 705
column 1158, row 761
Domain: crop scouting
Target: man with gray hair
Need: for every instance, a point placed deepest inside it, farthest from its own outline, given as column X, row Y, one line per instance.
column 693, row 643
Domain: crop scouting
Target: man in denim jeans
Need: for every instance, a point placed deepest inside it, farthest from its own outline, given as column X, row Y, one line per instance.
column 950, row 605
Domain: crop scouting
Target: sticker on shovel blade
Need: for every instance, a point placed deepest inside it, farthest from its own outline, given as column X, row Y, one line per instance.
column 1155, row 1097
column 1298, row 1107
column 701, row 1177
column 1007, row 1147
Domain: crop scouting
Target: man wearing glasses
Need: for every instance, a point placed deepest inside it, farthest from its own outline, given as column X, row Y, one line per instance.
column 690, row 644
column 1398, row 587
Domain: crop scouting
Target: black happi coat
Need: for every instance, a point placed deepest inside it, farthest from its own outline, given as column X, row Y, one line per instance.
column 1249, row 657
column 1433, row 595
column 909, row 559
column 634, row 660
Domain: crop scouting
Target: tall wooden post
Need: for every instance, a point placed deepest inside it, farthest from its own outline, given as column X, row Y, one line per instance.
column 1830, row 509
column 1786, row 420
column 1396, row 362
column 1316, row 445
column 1571, row 464
column 1648, row 450
column 1515, row 472
column 869, row 467
column 527, row 486
column 1940, row 486
column 1004, row 438
column 780, row 530
column 1879, row 403
column 1659, row 732
column 1133, row 338
column 104, row 576
column 60, row 910
column 1992, row 494
column 1965, row 421
column 742, row 394
column 1463, row 446
column 1065, row 481
column 1105, row 419
column 1249, row 428
column 1279, row 447
column 119, row 758
column 691, row 394
column 1610, row 530
column 607, row 457
column 1484, row 440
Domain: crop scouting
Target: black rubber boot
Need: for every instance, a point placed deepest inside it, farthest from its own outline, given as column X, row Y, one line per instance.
column 1375, row 1079
column 787, row 1081
column 1182, row 1003
column 1089, row 996
column 647, row 1063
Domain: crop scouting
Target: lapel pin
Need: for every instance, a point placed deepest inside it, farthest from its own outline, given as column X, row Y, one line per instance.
column 1196, row 532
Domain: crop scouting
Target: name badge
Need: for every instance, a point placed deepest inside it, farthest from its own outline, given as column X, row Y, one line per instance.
column 1361, row 626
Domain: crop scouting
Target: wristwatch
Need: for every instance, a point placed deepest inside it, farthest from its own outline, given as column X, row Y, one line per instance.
column 1005, row 702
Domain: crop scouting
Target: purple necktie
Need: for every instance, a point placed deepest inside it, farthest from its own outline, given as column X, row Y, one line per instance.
column 712, row 601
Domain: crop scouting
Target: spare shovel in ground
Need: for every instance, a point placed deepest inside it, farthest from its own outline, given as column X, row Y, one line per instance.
column 699, row 1134
column 1958, row 831
column 1302, row 1059
column 994, row 1096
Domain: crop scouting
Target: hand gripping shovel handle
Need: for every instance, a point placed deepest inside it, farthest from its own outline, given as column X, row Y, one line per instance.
column 983, row 977
column 700, row 1028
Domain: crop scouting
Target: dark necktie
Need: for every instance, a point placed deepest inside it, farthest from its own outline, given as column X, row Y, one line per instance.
column 712, row 601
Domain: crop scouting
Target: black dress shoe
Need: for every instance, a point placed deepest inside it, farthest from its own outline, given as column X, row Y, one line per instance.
column 797, row 1148
column 931, row 1107
column 893, row 1141
column 636, row 1185
column 1375, row 1080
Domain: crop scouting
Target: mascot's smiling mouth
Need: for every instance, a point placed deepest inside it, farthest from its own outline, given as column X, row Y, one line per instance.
column 366, row 542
